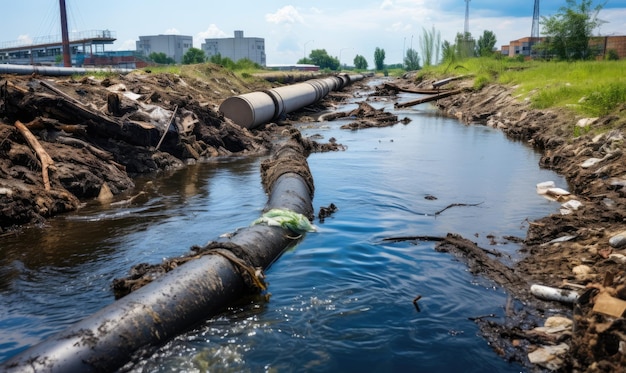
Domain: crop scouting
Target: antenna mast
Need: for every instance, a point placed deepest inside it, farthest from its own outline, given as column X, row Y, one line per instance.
column 467, row 17
column 534, row 32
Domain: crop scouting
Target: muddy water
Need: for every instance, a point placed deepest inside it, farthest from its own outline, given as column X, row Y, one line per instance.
column 342, row 299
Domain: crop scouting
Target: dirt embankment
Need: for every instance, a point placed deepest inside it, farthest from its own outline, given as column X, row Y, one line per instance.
column 98, row 133
column 582, row 248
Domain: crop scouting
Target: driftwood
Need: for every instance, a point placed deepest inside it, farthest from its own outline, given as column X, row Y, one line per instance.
column 457, row 205
column 476, row 257
column 443, row 82
column 428, row 99
column 44, row 158
column 102, row 154
column 423, row 91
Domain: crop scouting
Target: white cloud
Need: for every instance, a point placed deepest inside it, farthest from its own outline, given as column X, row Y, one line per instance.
column 210, row 33
column 24, row 39
column 286, row 14
column 127, row 45
column 172, row 31
column 386, row 4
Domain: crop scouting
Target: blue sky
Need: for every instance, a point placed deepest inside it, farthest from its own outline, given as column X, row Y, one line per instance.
column 292, row 28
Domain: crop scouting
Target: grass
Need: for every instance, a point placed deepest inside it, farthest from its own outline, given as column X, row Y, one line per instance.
column 590, row 88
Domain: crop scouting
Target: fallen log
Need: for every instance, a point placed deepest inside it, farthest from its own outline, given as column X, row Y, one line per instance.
column 44, row 157
column 428, row 99
column 422, row 91
column 443, row 82
column 188, row 294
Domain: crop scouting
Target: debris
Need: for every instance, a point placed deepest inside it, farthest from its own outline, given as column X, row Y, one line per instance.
column 549, row 356
column 554, row 294
column 608, row 305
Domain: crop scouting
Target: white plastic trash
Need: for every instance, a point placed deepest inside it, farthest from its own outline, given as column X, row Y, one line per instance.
column 555, row 294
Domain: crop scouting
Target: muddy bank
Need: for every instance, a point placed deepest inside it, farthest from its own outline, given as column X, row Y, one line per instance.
column 99, row 133
column 582, row 248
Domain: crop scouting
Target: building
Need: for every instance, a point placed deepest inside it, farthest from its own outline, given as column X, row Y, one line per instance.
column 236, row 48
column 173, row 46
column 600, row 44
column 48, row 50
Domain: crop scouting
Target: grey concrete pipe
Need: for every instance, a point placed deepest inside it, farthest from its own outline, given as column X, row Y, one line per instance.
column 54, row 70
column 180, row 299
column 253, row 109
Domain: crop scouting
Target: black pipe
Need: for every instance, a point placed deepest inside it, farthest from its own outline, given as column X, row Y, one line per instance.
column 181, row 298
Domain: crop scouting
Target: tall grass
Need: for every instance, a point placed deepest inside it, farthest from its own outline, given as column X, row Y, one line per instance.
column 592, row 88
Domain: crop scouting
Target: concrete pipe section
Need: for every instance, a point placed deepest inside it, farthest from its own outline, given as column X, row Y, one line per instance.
column 54, row 70
column 253, row 109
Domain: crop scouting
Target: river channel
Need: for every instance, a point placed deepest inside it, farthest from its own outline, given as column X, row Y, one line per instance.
column 342, row 299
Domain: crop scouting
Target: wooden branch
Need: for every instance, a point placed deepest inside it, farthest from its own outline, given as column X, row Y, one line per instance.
column 428, row 99
column 46, row 160
column 457, row 205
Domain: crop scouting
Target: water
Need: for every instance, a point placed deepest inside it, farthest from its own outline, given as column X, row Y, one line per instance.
column 342, row 299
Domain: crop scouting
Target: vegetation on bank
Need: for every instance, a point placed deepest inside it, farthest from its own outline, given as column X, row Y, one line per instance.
column 590, row 88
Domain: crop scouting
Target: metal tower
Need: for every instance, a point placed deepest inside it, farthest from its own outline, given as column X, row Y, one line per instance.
column 534, row 32
column 467, row 16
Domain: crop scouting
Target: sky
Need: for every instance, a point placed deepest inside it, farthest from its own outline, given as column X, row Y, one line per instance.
column 292, row 29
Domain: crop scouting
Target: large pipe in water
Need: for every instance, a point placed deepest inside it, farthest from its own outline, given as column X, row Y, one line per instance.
column 253, row 109
column 181, row 298
column 55, row 70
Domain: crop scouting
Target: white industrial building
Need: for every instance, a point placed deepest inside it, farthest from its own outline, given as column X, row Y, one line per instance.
column 174, row 46
column 236, row 48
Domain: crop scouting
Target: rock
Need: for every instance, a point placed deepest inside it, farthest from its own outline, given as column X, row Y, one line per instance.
column 581, row 271
column 618, row 241
column 590, row 162
column 585, row 122
column 618, row 258
column 549, row 356
column 570, row 206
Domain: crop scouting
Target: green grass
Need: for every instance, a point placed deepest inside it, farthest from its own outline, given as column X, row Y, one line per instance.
column 590, row 88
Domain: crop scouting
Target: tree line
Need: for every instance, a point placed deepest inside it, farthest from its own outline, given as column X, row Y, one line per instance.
column 566, row 37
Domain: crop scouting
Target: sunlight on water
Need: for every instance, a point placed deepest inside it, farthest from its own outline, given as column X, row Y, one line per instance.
column 342, row 300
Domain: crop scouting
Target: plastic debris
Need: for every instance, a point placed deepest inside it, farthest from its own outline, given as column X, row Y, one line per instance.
column 549, row 356
column 288, row 219
column 555, row 294
column 610, row 306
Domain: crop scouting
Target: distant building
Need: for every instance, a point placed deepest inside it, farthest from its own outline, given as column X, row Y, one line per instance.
column 174, row 46
column 236, row 48
column 601, row 45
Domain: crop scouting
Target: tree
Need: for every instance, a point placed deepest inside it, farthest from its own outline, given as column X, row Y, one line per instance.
column 448, row 52
column 430, row 44
column 465, row 45
column 194, row 55
column 161, row 58
column 568, row 32
column 486, row 43
column 360, row 63
column 379, row 58
column 412, row 60
column 222, row 61
column 322, row 59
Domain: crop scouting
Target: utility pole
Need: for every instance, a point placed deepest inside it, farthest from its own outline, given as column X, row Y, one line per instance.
column 65, row 39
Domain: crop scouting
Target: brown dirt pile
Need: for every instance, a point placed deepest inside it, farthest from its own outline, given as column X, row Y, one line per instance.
column 101, row 132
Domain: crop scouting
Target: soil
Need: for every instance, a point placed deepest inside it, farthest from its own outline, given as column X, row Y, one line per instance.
column 100, row 133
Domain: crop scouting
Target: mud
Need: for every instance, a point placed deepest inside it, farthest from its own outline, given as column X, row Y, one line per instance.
column 101, row 133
